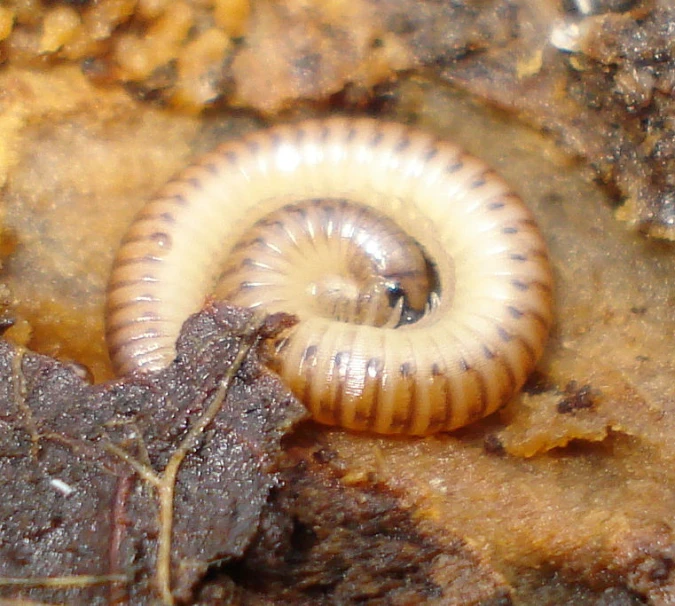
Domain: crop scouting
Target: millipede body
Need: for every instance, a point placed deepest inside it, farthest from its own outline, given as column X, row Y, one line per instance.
column 420, row 280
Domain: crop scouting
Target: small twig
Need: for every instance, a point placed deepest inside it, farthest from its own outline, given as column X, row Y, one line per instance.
column 135, row 435
column 83, row 580
column 26, row 602
column 141, row 469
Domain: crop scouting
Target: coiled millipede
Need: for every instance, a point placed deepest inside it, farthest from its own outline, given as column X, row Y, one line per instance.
column 421, row 282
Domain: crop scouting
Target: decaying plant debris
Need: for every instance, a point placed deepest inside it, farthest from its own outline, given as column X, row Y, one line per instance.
column 172, row 486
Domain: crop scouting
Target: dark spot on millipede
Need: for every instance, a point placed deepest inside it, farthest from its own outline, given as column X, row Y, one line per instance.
column 488, row 353
column 454, row 166
column 309, row 353
column 517, row 257
column 476, row 183
column 271, row 222
column 430, row 154
column 351, row 133
column 258, row 241
column 496, row 205
column 436, row 370
column 509, row 230
column 231, row 156
column 406, row 370
column 178, row 200
column 504, row 335
column 195, row 182
column 162, row 239
column 211, row 167
column 374, row 367
column 403, row 144
column 246, row 262
column 302, row 212
column 246, row 284
column 377, row 139
column 281, row 345
column 276, row 139
column 519, row 285
column 515, row 312
column 464, row 366
column 253, row 146
column 300, row 135
column 323, row 134
column 329, row 211
column 342, row 358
